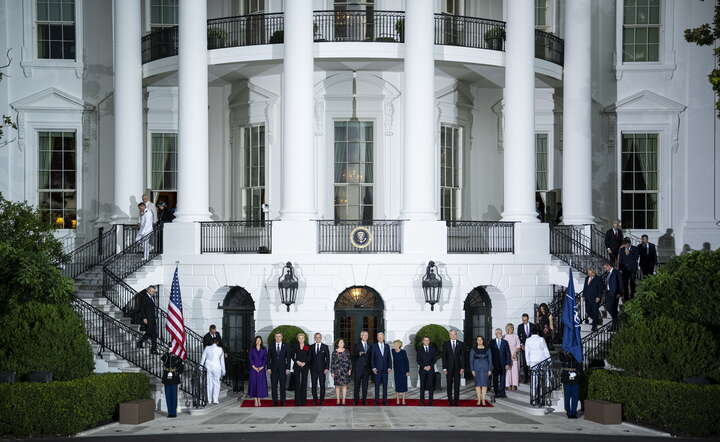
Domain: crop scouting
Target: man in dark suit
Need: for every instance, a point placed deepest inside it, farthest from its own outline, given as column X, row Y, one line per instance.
column 502, row 361
column 592, row 294
column 524, row 330
column 612, row 290
column 278, row 365
column 613, row 241
column 148, row 318
column 453, row 357
column 629, row 256
column 360, row 368
column 211, row 335
column 319, row 366
column 648, row 257
column 381, row 367
column 426, row 357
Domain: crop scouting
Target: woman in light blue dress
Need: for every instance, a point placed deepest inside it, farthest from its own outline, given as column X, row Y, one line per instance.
column 481, row 365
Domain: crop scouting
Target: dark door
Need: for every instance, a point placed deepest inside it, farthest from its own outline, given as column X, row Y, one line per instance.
column 358, row 309
column 478, row 319
column 237, row 334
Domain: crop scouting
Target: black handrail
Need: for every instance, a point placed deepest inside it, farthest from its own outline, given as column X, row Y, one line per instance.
column 368, row 25
column 119, row 338
column 480, row 237
column 94, row 252
column 245, row 30
column 469, row 32
column 571, row 245
column 378, row 236
column 236, row 237
column 549, row 47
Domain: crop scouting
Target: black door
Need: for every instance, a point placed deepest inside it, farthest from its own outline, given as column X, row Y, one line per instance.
column 478, row 320
column 358, row 309
column 238, row 333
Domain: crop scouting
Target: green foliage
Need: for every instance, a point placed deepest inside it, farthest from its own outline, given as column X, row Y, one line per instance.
column 437, row 334
column 705, row 35
column 28, row 259
column 665, row 348
column 680, row 409
column 495, row 33
column 44, row 337
column 64, row 408
column 6, row 120
column 686, row 288
column 289, row 333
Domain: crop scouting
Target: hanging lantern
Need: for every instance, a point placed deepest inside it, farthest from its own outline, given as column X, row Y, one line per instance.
column 432, row 285
column 288, row 285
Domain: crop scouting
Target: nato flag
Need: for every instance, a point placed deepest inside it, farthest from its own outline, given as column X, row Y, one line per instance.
column 571, row 323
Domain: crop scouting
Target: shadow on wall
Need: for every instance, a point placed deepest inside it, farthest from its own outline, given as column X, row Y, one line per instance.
column 492, row 214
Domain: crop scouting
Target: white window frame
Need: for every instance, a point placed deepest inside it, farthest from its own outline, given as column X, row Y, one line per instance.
column 655, row 130
column 150, row 24
column 458, row 164
column 60, row 22
column 149, row 157
column 373, row 184
column 549, row 16
column 30, row 61
column 460, row 4
column 63, row 190
column 244, row 188
column 548, row 154
column 666, row 63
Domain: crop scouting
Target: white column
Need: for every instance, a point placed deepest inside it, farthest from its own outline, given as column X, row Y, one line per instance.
column 298, row 189
column 419, row 185
column 577, row 132
column 193, row 158
column 127, row 99
column 519, row 113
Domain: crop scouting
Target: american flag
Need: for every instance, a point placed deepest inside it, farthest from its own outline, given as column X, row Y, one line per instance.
column 175, row 323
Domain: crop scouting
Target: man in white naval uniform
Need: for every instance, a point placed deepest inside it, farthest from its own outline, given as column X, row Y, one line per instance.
column 146, row 226
column 150, row 206
column 536, row 351
column 213, row 359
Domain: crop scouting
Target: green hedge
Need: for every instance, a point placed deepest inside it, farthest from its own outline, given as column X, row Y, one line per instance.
column 289, row 333
column 677, row 408
column 44, row 337
column 63, row 408
column 437, row 334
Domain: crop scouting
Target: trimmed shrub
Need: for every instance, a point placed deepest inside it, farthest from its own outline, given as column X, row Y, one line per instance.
column 665, row 348
column 437, row 334
column 44, row 337
column 685, row 287
column 64, row 408
column 678, row 408
column 289, row 333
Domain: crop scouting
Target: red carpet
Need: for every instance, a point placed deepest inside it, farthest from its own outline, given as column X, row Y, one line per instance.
column 250, row 403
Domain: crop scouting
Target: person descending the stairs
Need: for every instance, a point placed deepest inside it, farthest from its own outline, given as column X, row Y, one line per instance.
column 213, row 359
column 148, row 315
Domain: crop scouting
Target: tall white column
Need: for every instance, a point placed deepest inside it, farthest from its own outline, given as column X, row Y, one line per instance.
column 419, row 187
column 577, row 131
column 298, row 196
column 519, row 113
column 193, row 157
column 127, row 99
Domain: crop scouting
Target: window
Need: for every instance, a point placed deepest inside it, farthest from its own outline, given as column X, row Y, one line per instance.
column 541, row 15
column 253, row 194
column 641, row 30
column 354, row 170
column 56, row 29
column 164, row 162
column 57, row 191
column 639, row 182
column 453, row 7
column 163, row 14
column 254, row 6
column 449, row 172
column 541, row 162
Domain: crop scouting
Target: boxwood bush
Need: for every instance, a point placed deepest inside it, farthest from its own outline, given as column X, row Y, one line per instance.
column 289, row 333
column 437, row 334
column 68, row 407
column 44, row 337
column 678, row 408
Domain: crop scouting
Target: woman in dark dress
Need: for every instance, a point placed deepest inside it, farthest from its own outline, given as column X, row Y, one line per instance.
column 257, row 382
column 481, row 365
column 545, row 324
column 341, row 369
column 401, row 370
column 300, row 357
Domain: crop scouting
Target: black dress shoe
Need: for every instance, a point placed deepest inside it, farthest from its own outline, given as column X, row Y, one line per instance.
column 355, row 402
column 422, row 401
column 275, row 403
column 282, row 404
column 384, row 402
column 322, row 402
column 430, row 403
column 315, row 402
column 364, row 402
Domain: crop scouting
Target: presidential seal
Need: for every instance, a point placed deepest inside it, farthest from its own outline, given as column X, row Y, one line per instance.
column 360, row 237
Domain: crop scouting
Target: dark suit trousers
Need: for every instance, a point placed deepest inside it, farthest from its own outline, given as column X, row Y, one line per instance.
column 360, row 380
column 498, row 379
column 278, row 380
column 591, row 308
column 647, row 271
column 381, row 379
column 151, row 334
column 427, row 383
column 453, row 385
column 611, row 304
column 628, row 279
column 315, row 377
column 301, row 375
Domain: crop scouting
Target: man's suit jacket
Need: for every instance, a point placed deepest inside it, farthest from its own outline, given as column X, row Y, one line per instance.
column 453, row 361
column 592, row 290
column 425, row 358
column 361, row 358
column 381, row 361
column 278, row 361
column 147, row 308
column 613, row 241
column 501, row 355
column 522, row 334
column 629, row 259
column 648, row 256
column 612, row 283
column 208, row 339
column 319, row 361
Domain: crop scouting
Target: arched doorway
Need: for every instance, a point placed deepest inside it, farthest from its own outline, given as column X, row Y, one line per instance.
column 238, row 330
column 358, row 308
column 478, row 318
